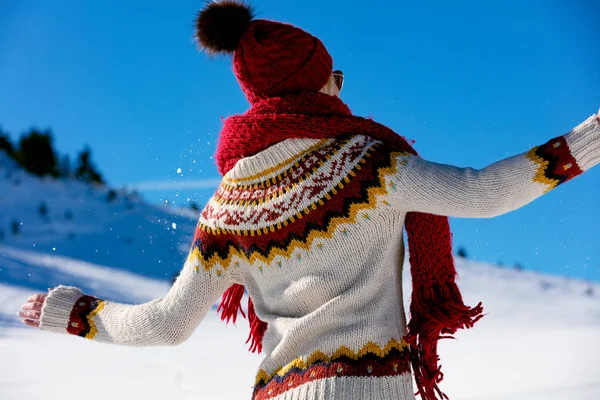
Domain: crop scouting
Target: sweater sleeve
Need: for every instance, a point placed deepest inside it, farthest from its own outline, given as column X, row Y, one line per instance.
column 166, row 321
column 418, row 185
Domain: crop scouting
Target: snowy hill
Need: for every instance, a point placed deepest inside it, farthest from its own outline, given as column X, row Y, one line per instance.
column 85, row 222
column 538, row 341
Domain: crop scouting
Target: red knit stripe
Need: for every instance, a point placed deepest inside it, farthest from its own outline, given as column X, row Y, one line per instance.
column 393, row 364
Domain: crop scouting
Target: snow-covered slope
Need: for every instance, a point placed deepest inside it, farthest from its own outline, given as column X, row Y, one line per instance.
column 538, row 341
column 83, row 223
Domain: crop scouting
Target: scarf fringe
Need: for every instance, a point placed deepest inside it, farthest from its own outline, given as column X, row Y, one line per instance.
column 437, row 312
column 231, row 305
column 257, row 329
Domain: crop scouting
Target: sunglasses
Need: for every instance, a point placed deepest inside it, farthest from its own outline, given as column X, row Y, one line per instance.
column 338, row 77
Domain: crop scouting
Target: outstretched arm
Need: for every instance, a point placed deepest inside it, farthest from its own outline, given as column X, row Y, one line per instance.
column 166, row 321
column 421, row 186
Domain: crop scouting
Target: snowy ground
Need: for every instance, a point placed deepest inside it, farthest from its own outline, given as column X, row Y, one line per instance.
column 526, row 363
column 539, row 341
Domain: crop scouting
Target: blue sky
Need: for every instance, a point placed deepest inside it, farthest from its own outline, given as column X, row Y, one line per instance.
column 472, row 82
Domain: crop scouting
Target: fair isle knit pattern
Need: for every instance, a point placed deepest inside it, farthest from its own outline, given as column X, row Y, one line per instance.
column 338, row 181
column 311, row 228
column 370, row 361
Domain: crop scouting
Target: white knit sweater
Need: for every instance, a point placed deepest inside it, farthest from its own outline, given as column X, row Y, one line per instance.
column 312, row 229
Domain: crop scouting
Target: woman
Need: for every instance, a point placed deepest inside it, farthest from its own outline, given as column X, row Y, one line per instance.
column 309, row 219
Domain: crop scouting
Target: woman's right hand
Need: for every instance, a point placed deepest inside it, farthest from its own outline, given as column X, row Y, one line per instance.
column 31, row 311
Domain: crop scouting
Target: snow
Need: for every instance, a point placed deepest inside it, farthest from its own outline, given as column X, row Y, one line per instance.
column 125, row 233
column 500, row 359
column 539, row 339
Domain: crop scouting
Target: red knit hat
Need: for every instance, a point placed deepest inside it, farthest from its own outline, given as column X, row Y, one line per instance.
column 269, row 58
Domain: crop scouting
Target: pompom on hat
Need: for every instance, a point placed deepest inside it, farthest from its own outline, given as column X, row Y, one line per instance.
column 270, row 58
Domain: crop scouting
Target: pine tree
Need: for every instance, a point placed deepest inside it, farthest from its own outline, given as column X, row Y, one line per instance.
column 15, row 227
column 518, row 266
column 36, row 153
column 5, row 144
column 85, row 170
column 111, row 195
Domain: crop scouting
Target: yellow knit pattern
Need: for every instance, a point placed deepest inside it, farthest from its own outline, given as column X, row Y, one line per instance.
column 540, row 175
column 90, row 318
column 269, row 171
column 373, row 194
column 343, row 351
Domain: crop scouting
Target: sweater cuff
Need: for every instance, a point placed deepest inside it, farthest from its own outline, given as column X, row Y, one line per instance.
column 584, row 143
column 57, row 308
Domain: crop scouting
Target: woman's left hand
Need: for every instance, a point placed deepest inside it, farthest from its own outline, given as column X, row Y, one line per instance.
column 31, row 311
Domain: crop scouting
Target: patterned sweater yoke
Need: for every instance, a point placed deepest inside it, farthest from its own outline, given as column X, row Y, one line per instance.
column 312, row 229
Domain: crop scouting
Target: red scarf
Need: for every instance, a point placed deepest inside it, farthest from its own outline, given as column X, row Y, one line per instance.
column 437, row 309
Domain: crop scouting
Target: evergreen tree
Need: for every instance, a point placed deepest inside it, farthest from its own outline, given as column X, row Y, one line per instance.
column 111, row 195
column 14, row 227
column 5, row 144
column 519, row 266
column 36, row 153
column 85, row 170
